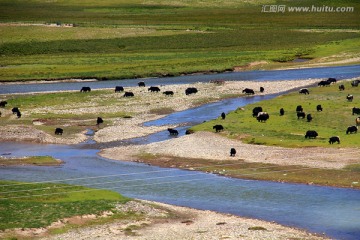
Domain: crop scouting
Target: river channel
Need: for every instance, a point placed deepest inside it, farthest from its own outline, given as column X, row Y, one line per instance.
column 332, row 211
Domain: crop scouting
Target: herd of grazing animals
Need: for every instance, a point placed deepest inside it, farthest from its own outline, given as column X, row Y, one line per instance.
column 262, row 116
column 118, row 89
column 258, row 112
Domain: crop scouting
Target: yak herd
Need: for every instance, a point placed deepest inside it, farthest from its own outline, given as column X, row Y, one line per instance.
column 258, row 113
column 262, row 116
column 118, row 89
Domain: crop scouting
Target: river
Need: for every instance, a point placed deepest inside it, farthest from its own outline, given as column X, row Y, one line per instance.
column 333, row 211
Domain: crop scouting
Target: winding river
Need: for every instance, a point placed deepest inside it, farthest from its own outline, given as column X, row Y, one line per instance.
column 332, row 211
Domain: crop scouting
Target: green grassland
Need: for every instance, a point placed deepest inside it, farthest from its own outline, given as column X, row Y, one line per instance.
column 34, row 205
column 288, row 130
column 130, row 39
column 33, row 160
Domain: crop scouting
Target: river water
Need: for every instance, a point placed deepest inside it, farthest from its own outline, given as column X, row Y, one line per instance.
column 333, row 211
column 294, row 74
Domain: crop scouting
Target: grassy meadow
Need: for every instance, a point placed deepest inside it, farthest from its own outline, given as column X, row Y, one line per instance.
column 31, row 160
column 35, row 205
column 288, row 130
column 129, row 39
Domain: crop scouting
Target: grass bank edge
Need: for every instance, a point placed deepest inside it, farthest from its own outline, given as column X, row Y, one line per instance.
column 30, row 160
column 347, row 177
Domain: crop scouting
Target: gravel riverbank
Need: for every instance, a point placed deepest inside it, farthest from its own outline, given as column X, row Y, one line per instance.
column 185, row 223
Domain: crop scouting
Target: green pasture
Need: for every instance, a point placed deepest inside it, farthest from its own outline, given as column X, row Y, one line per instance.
column 130, row 39
column 34, row 205
column 32, row 160
column 288, row 130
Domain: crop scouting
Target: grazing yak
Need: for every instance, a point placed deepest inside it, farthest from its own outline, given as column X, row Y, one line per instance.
column 323, row 83
column 256, row 111
column 218, row 128
column 350, row 97
column 15, row 110
column 282, row 112
column 59, row 131
column 190, row 90
column 248, row 91
column 352, row 129
column 223, row 115
column 334, row 139
column 331, row 80
column 128, row 94
column 18, row 114
column 300, row 115
column 262, row 89
column 304, row 91
column 355, row 110
column 232, row 152
column 311, row 134
column 168, row 93
column 309, row 117
column 141, row 84
column 85, row 89
column 99, row 120
column 355, row 83
column 154, row 89
column 299, row 108
column 173, row 132
column 357, row 121
column 341, row 87
column 262, row 116
column 319, row 108
column 119, row 89
column 3, row 104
